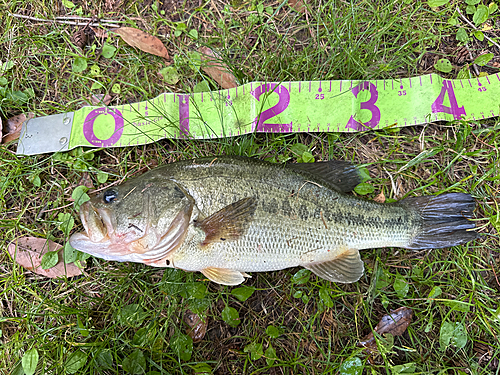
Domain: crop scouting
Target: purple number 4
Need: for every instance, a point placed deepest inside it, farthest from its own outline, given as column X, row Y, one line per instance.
column 453, row 109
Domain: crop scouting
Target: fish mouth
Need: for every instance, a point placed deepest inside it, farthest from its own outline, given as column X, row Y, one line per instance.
column 98, row 234
column 97, row 222
column 100, row 238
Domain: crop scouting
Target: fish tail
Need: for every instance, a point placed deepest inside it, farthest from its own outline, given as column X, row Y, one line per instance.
column 445, row 220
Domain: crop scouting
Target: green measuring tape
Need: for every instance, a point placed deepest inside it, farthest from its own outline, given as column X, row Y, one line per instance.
column 276, row 107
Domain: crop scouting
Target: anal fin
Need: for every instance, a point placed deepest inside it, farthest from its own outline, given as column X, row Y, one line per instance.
column 224, row 276
column 347, row 267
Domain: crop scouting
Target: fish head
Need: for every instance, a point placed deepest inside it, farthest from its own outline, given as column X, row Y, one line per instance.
column 142, row 220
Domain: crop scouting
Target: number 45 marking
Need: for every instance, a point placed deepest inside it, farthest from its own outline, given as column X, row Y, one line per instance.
column 453, row 109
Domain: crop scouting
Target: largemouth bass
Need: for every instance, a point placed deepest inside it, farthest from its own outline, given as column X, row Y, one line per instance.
column 226, row 216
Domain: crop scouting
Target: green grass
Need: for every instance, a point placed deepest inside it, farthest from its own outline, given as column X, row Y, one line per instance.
column 122, row 314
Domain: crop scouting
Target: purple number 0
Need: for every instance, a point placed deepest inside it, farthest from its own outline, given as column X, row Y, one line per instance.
column 369, row 105
column 88, row 127
column 283, row 102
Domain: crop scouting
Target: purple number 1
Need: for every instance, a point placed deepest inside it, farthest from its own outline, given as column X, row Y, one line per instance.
column 369, row 105
column 283, row 102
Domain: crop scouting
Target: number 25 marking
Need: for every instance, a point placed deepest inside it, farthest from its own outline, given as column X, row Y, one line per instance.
column 283, row 102
column 369, row 105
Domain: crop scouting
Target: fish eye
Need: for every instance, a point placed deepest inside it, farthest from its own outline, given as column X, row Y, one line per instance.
column 109, row 196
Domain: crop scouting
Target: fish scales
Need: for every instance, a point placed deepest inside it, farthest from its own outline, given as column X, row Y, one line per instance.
column 225, row 216
column 329, row 219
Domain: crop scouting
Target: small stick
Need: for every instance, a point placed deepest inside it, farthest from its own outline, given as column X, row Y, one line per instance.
column 83, row 19
column 95, row 24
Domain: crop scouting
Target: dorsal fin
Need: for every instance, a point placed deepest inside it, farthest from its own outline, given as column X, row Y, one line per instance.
column 228, row 223
column 341, row 174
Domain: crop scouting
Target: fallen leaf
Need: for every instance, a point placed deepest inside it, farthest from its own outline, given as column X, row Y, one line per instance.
column 28, row 253
column 100, row 99
column 380, row 198
column 216, row 69
column 297, row 5
column 144, row 41
column 197, row 326
column 394, row 323
column 13, row 127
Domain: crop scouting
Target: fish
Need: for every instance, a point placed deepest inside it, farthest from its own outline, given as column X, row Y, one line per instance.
column 229, row 216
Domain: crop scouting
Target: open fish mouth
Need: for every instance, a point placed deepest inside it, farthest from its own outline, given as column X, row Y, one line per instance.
column 97, row 222
column 97, row 239
column 101, row 240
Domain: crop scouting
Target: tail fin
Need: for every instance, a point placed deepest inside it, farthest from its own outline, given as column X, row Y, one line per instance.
column 445, row 220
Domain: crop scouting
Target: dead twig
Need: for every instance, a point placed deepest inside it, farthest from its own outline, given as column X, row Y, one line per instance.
column 95, row 24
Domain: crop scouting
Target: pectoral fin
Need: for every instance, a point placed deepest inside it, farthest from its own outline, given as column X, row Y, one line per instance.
column 224, row 276
column 228, row 223
column 347, row 267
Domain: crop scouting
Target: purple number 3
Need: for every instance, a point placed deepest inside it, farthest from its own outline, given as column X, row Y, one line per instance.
column 369, row 105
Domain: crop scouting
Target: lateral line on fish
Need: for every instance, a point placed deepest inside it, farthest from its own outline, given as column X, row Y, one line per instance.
column 130, row 192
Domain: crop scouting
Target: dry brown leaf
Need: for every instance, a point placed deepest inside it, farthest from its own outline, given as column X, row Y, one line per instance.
column 100, row 99
column 13, row 127
column 297, row 5
column 28, row 252
column 380, row 198
column 142, row 40
column 197, row 326
column 216, row 69
column 394, row 323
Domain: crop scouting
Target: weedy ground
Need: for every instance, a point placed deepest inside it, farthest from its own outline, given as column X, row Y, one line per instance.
column 128, row 318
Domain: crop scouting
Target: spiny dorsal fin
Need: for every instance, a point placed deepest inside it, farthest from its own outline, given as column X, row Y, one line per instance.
column 345, row 268
column 341, row 174
column 224, row 276
column 228, row 223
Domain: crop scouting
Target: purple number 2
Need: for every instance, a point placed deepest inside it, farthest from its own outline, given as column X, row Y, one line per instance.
column 283, row 102
column 369, row 105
